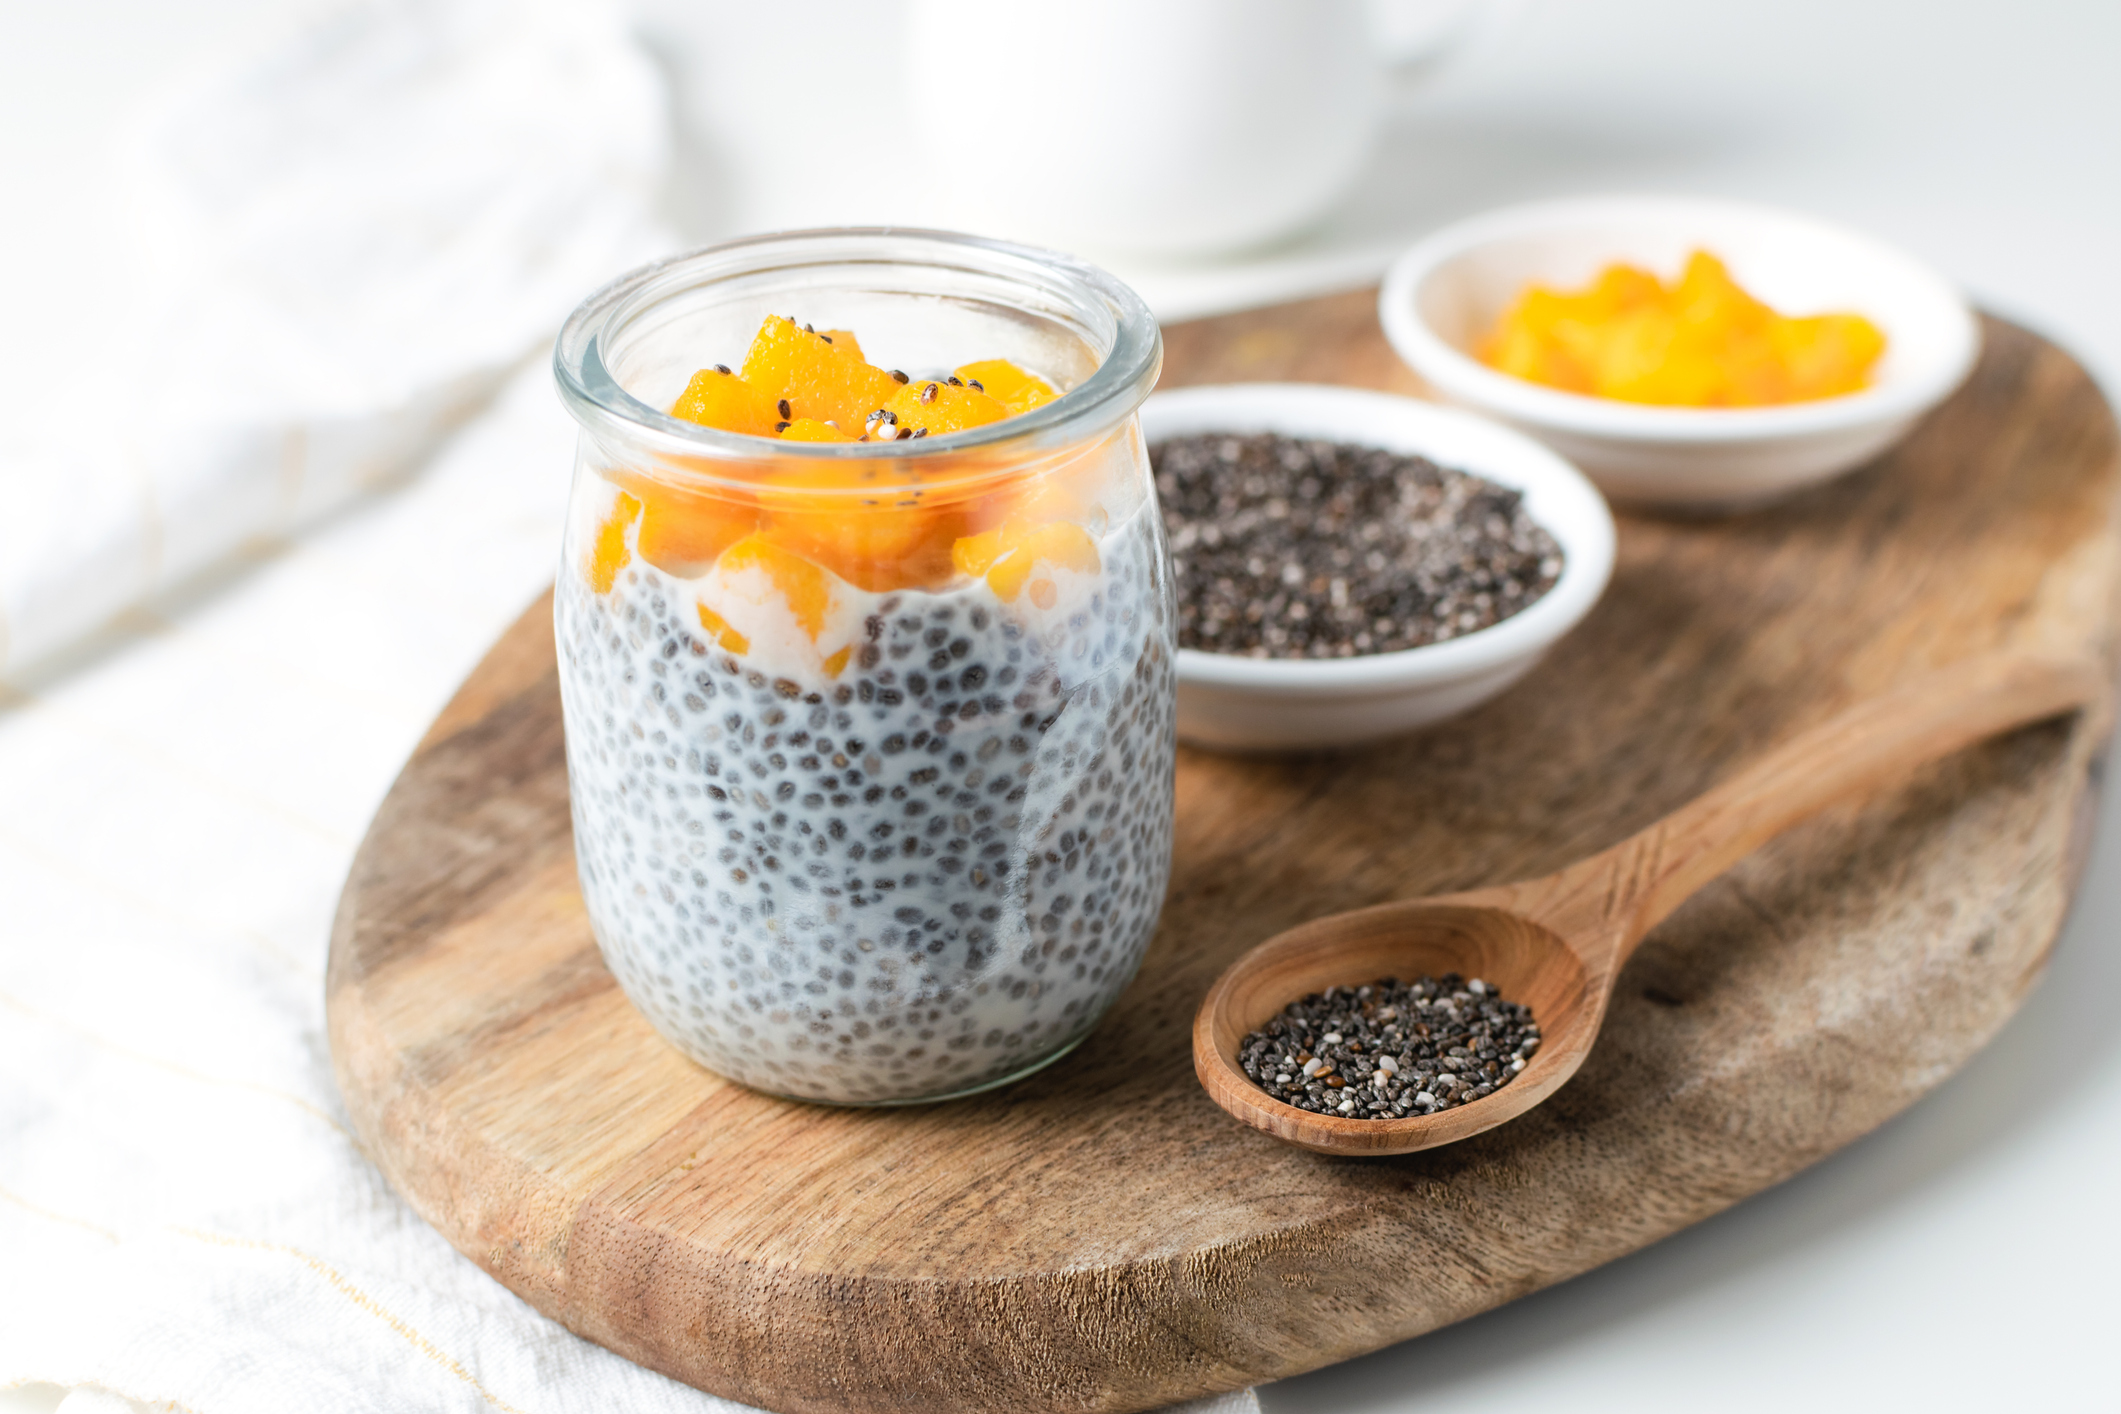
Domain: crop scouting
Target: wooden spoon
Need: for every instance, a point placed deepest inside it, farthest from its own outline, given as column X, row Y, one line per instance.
column 1557, row 944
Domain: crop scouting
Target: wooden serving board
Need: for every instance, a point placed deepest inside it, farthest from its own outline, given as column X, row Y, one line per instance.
column 1101, row 1237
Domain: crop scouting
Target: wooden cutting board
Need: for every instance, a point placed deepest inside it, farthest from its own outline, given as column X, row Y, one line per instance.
column 1101, row 1237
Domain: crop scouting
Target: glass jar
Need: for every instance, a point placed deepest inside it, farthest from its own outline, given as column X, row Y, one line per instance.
column 868, row 810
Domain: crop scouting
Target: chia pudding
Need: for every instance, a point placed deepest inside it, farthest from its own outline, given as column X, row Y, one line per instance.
column 912, row 879
column 866, row 655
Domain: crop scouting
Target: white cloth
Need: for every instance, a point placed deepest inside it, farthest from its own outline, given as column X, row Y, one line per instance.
column 344, row 241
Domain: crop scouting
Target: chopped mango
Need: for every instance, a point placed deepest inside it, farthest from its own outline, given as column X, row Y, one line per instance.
column 802, row 584
column 683, row 532
column 1059, row 544
column 888, row 540
column 1014, row 388
column 814, row 376
column 608, row 553
column 1008, row 555
column 1072, row 487
column 976, row 554
column 719, row 630
column 939, row 407
column 799, row 384
column 1701, row 341
column 1828, row 351
column 718, row 398
column 809, row 429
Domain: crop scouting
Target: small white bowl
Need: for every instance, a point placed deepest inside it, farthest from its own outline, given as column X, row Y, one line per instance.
column 1263, row 704
column 1442, row 296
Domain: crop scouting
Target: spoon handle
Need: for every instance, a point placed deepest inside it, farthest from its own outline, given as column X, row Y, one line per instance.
column 1628, row 889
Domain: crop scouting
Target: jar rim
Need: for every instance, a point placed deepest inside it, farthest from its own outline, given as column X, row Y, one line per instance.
column 597, row 400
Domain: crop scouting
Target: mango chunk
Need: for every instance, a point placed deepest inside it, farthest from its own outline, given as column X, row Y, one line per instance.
column 717, row 398
column 1701, row 341
column 1014, row 388
column 825, row 520
column 1829, row 352
column 815, row 376
column 809, row 429
column 607, row 552
column 1007, row 556
column 884, row 541
column 1073, row 487
column 805, row 587
column 682, row 533
column 976, row 554
column 937, row 408
column 719, row 630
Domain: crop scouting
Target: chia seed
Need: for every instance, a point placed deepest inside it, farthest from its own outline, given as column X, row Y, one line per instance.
column 1289, row 547
column 1391, row 1049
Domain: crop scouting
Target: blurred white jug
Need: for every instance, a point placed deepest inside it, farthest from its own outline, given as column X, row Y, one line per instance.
column 1162, row 127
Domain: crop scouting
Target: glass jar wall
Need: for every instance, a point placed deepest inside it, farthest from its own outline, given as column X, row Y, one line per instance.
column 870, row 744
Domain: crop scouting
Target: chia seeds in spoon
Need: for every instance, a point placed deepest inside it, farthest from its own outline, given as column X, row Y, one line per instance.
column 1391, row 1049
column 1289, row 547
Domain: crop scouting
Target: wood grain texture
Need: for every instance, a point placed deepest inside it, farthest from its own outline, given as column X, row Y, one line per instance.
column 1101, row 1237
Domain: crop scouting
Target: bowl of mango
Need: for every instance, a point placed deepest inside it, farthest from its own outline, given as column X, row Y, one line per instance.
column 1686, row 354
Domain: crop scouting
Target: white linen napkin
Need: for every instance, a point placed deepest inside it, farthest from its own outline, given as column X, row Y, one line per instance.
column 343, row 243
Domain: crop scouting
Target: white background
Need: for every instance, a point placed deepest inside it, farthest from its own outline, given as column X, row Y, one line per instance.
column 1958, row 1259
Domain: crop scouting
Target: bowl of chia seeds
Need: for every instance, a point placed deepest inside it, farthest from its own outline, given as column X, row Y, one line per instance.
column 1351, row 565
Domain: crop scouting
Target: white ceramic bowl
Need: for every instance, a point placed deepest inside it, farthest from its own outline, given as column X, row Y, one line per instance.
column 1444, row 294
column 1264, row 704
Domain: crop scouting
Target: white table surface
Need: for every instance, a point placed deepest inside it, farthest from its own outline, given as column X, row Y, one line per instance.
column 1958, row 1258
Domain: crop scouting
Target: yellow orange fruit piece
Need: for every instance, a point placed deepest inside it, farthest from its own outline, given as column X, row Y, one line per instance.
column 942, row 408
column 816, row 376
column 683, row 532
column 607, row 552
column 1072, row 487
column 880, row 541
column 1059, row 544
column 803, row 385
column 723, row 400
column 1014, row 388
column 809, row 429
column 719, row 630
column 976, row 554
column 803, row 585
column 1701, row 341
column 1008, row 555
column 1832, row 353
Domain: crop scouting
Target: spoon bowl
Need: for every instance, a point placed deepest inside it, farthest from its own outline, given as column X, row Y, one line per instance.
column 1518, row 956
column 1557, row 944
